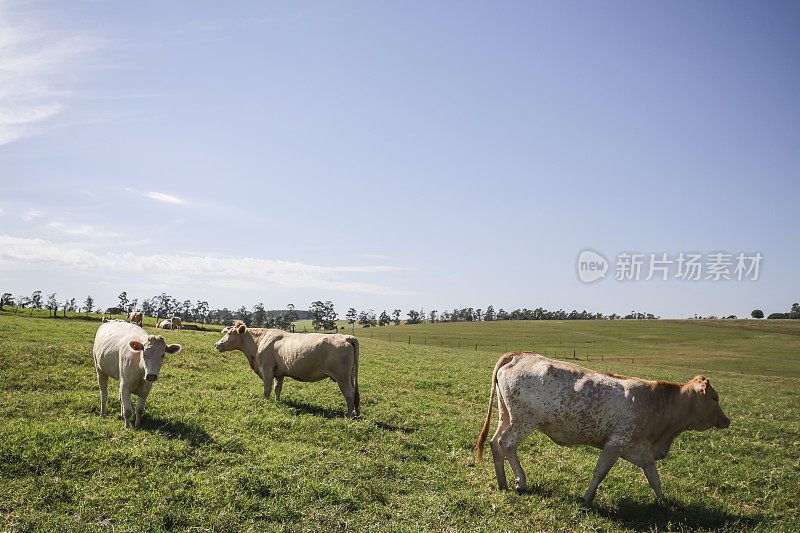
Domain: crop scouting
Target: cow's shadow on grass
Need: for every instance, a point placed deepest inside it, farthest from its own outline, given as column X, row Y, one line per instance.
column 695, row 515
column 646, row 516
column 335, row 413
column 175, row 429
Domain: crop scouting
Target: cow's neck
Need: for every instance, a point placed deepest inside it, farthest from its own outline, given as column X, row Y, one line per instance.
column 676, row 418
column 250, row 342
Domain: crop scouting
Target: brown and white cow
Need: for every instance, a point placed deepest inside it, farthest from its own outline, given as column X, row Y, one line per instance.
column 176, row 322
column 275, row 354
column 135, row 317
column 165, row 324
column 625, row 417
column 126, row 352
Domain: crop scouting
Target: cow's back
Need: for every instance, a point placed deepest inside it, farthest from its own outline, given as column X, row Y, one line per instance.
column 570, row 404
column 110, row 340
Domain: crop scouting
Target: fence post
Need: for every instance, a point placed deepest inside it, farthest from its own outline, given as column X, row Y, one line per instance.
column 573, row 355
column 409, row 339
column 476, row 346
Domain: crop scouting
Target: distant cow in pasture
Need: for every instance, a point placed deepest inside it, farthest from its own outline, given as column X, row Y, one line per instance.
column 176, row 322
column 135, row 317
column 126, row 352
column 275, row 354
column 165, row 324
column 625, row 417
column 105, row 319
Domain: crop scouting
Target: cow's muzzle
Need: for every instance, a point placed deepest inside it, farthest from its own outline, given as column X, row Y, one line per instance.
column 151, row 377
column 725, row 422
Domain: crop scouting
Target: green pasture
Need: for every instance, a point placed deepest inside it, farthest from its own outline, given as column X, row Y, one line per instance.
column 214, row 455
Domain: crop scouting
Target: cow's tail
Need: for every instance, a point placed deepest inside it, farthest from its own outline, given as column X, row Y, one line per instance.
column 357, row 399
column 504, row 360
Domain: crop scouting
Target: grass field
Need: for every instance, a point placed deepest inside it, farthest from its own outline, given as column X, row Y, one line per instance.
column 213, row 455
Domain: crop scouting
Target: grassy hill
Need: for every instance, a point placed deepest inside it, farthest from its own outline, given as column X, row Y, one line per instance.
column 213, row 454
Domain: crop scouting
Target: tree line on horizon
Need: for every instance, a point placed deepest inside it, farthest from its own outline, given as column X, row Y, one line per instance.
column 322, row 314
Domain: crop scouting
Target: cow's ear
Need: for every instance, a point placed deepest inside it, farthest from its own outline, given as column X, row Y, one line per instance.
column 241, row 329
column 173, row 349
column 136, row 346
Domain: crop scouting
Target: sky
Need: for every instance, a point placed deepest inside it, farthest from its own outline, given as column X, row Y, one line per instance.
column 388, row 155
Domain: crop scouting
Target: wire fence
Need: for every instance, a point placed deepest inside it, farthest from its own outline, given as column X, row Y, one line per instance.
column 555, row 350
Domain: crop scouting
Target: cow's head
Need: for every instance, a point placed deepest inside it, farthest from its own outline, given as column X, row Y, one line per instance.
column 153, row 351
column 707, row 412
column 232, row 339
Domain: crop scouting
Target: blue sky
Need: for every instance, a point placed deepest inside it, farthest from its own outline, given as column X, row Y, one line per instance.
column 395, row 155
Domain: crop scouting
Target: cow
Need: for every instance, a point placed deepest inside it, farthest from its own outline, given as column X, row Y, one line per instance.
column 623, row 416
column 276, row 354
column 135, row 317
column 176, row 322
column 165, row 324
column 105, row 319
column 126, row 352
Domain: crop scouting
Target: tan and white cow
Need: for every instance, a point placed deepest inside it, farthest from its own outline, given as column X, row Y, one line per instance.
column 625, row 417
column 165, row 324
column 126, row 352
column 176, row 322
column 276, row 354
column 135, row 317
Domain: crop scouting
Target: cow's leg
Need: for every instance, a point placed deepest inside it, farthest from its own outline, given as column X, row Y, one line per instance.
column 607, row 458
column 125, row 402
column 651, row 473
column 278, row 388
column 513, row 437
column 498, row 455
column 267, row 375
column 140, row 407
column 349, row 393
column 102, row 381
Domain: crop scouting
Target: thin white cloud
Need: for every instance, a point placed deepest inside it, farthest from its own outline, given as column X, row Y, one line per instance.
column 184, row 269
column 162, row 197
column 33, row 60
column 84, row 230
column 30, row 214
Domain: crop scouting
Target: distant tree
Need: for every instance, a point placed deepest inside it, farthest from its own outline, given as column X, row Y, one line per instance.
column 259, row 315
column 352, row 316
column 502, row 314
column 433, row 316
column 200, row 310
column 52, row 304
column 384, row 319
column 413, row 317
column 396, row 317
column 795, row 311
column 123, row 300
column 291, row 314
column 148, row 309
column 489, row 315
column 133, row 305
column 244, row 315
column 367, row 318
column 773, row 316
column 757, row 313
column 323, row 315
column 6, row 299
column 36, row 300
column 72, row 306
column 23, row 301
column 731, row 317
